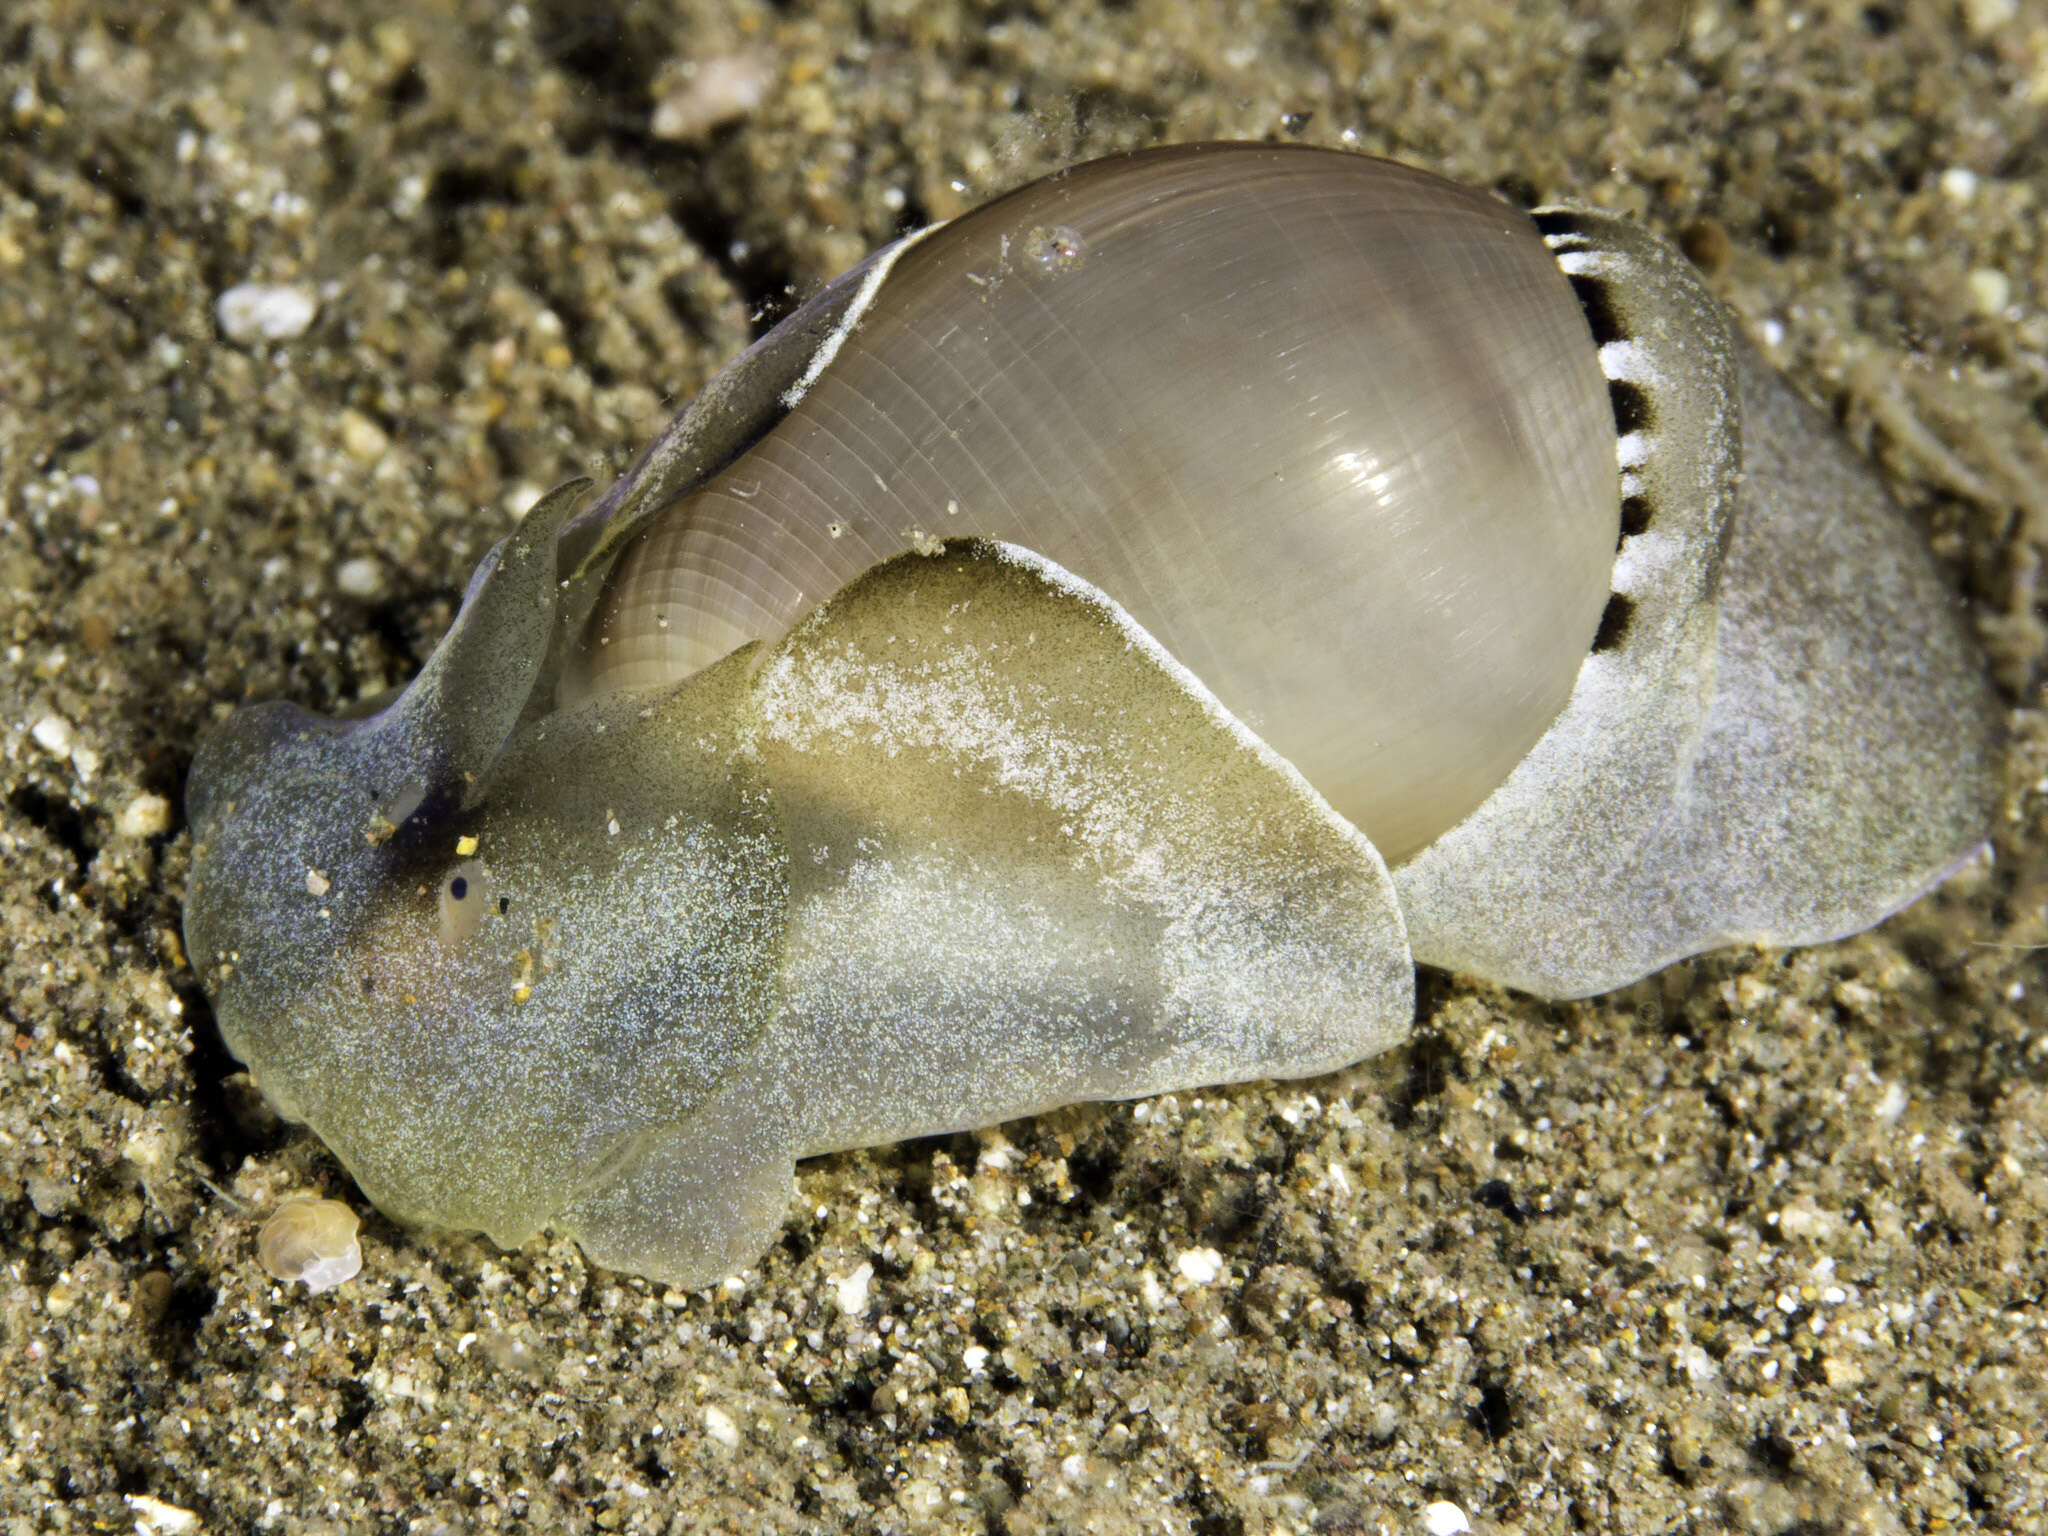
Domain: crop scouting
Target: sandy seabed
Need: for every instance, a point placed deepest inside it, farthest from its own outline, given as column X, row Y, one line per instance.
column 1759, row 1244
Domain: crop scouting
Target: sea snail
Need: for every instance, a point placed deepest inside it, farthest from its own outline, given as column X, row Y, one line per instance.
column 1097, row 646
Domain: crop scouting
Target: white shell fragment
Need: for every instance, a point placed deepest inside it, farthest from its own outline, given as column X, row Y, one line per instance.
column 719, row 1425
column 312, row 1241
column 1015, row 682
column 53, row 734
column 252, row 313
column 145, row 815
column 153, row 1517
column 361, row 578
column 694, row 96
column 850, row 1291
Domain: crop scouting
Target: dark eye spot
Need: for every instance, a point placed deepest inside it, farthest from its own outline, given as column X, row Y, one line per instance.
column 460, row 914
column 504, row 905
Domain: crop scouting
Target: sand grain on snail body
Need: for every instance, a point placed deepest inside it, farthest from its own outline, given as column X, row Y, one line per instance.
column 1095, row 647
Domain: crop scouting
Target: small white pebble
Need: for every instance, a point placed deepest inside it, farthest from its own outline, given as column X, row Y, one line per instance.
column 53, row 735
column 852, row 1290
column 1982, row 16
column 153, row 1517
column 312, row 1241
column 719, row 1426
column 1893, row 1104
column 360, row 577
column 361, row 437
column 520, row 500
column 1959, row 184
column 144, row 816
column 1202, row 1266
column 703, row 94
column 1990, row 291
column 253, row 312
column 1443, row 1518
column 975, row 1358
column 317, row 884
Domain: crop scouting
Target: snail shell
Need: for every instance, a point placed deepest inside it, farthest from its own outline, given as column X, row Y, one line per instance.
column 312, row 1241
column 1390, row 569
column 1095, row 647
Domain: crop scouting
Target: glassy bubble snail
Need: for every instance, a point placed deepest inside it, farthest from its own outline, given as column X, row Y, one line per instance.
column 1094, row 647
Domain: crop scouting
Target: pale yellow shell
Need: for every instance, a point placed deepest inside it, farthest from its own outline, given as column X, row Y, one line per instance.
column 312, row 1241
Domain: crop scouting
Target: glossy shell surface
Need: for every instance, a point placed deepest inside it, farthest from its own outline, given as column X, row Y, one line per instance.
column 1330, row 429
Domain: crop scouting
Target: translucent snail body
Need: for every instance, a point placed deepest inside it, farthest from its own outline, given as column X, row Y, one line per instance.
column 1093, row 648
